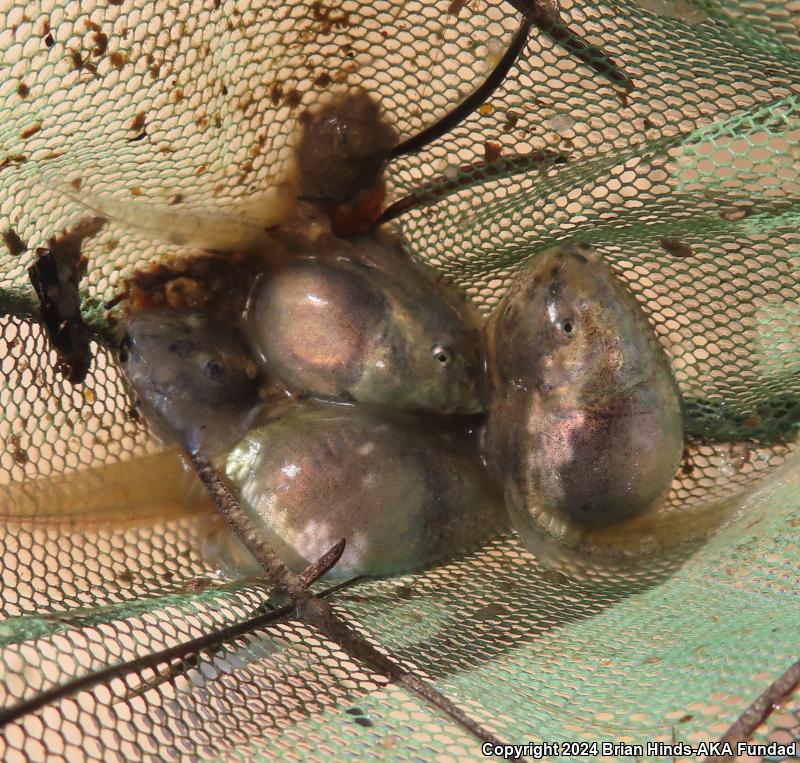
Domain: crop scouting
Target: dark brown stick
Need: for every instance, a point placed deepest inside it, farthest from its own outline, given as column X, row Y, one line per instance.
column 758, row 711
column 277, row 572
column 152, row 660
column 326, row 562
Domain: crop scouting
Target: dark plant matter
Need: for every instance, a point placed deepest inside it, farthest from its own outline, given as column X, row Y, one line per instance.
column 55, row 275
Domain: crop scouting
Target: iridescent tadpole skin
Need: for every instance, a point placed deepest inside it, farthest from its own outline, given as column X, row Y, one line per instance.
column 585, row 422
column 361, row 322
column 401, row 491
column 193, row 375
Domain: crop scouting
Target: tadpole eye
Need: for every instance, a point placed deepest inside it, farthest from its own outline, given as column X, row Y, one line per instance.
column 213, row 370
column 443, row 355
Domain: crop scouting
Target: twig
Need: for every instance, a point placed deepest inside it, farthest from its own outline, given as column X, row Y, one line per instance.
column 470, row 175
column 758, row 711
column 277, row 572
column 152, row 660
column 320, row 614
column 544, row 15
column 308, row 577
column 477, row 97
column 326, row 562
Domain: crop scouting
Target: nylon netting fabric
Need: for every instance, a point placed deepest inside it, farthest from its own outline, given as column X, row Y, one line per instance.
column 688, row 185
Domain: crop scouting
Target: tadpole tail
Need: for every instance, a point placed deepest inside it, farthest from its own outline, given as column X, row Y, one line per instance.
column 545, row 16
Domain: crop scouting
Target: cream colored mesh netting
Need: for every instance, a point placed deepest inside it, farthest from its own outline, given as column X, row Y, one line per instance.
column 688, row 185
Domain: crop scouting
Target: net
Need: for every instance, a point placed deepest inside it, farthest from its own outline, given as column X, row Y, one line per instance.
column 688, row 185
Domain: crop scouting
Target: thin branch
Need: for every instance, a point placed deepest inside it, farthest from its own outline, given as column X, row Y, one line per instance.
column 477, row 97
column 320, row 614
column 277, row 572
column 545, row 16
column 470, row 175
column 758, row 711
column 308, row 577
column 152, row 660
column 326, row 562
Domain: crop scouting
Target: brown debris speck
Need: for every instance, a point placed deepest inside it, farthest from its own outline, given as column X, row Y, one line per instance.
column 48, row 40
column 687, row 464
column 292, row 99
column 740, row 454
column 13, row 159
column 323, row 80
column 32, row 130
column 676, row 247
column 76, row 183
column 117, row 59
column 184, row 294
column 734, row 214
column 275, row 93
column 491, row 151
column 20, row 456
column 195, row 585
column 176, row 199
column 100, row 43
column 328, row 21
column 512, row 117
column 13, row 242
column 23, row 90
column 79, row 63
column 115, row 2
column 138, row 121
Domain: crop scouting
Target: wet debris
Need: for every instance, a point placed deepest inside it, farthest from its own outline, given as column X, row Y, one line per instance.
column 13, row 242
column 676, row 247
column 29, row 131
column 55, row 275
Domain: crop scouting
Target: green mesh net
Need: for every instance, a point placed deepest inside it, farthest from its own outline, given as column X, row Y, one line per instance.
column 688, row 185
